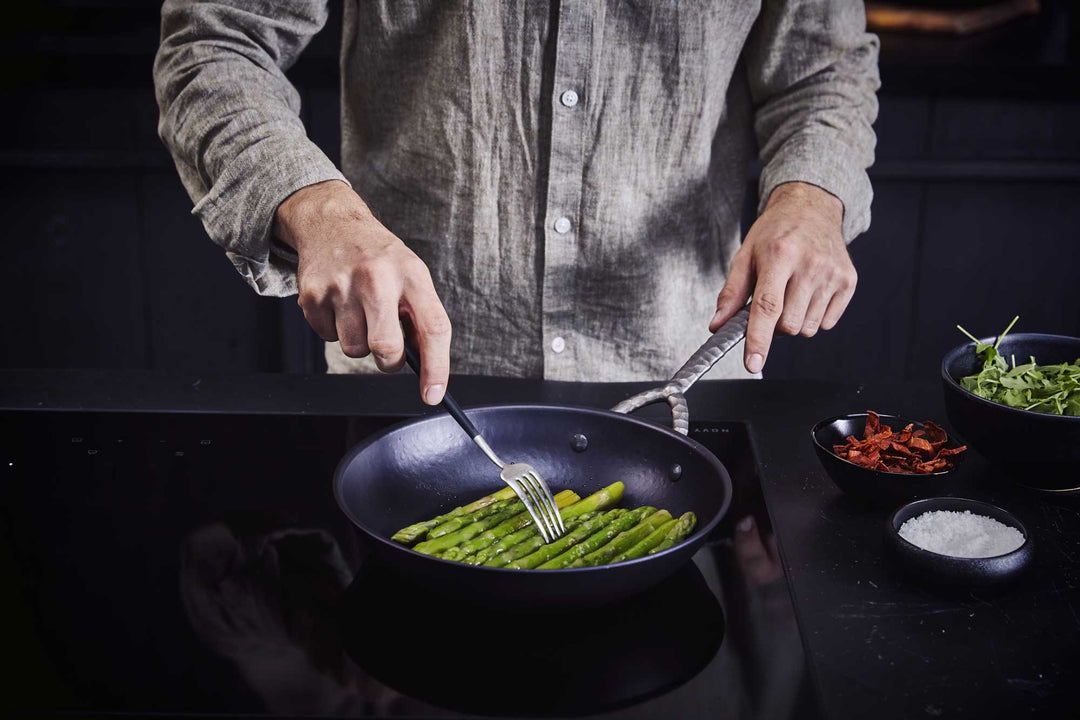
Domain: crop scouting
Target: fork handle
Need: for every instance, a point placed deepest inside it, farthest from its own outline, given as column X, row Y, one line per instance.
column 448, row 403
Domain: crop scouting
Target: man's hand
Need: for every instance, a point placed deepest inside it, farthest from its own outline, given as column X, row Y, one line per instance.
column 357, row 280
column 795, row 264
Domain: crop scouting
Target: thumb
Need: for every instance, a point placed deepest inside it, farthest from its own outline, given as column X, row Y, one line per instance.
column 734, row 294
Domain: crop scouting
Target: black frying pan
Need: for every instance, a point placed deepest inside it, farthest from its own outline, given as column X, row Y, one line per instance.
column 424, row 467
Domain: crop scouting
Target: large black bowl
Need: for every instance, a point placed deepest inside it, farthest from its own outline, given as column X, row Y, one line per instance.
column 875, row 486
column 1035, row 449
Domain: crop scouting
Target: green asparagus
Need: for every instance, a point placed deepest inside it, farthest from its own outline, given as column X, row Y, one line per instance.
column 600, row 537
column 623, row 541
column 681, row 530
column 511, row 540
column 507, row 527
column 600, row 500
column 525, row 546
column 444, row 542
column 411, row 534
column 497, row 531
column 468, row 519
column 642, row 548
column 552, row 549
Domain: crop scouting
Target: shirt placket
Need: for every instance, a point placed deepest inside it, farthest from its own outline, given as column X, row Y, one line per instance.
column 562, row 226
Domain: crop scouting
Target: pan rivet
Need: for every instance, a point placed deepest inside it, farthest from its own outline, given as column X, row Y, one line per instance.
column 579, row 443
column 674, row 472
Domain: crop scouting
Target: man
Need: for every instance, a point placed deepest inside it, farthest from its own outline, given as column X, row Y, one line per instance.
column 564, row 178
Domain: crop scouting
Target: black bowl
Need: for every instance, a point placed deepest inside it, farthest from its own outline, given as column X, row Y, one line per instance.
column 949, row 570
column 1033, row 448
column 875, row 486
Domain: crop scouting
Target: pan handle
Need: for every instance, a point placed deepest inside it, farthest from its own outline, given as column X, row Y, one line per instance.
column 722, row 341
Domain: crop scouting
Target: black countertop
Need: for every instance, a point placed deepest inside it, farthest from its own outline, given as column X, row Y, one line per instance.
column 878, row 643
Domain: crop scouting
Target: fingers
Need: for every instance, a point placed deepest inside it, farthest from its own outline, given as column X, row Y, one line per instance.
column 800, row 291
column 765, row 312
column 352, row 328
column 432, row 326
column 816, row 299
column 319, row 313
column 815, row 311
column 839, row 301
column 736, row 290
column 385, row 340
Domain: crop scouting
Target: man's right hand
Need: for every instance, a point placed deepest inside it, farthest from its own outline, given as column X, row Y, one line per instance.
column 357, row 280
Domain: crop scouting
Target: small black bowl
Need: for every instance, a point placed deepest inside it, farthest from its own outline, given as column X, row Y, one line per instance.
column 949, row 570
column 875, row 486
column 1035, row 449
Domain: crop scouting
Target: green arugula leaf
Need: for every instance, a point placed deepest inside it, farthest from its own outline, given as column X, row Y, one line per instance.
column 1053, row 389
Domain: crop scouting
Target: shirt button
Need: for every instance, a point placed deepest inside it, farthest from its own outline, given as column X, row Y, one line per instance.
column 562, row 225
column 569, row 98
column 558, row 344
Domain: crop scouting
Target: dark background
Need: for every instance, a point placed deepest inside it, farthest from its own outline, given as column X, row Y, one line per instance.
column 976, row 210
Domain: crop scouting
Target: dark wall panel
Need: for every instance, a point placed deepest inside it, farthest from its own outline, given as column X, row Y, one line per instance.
column 72, row 291
column 1007, row 129
column 902, row 127
column 323, row 121
column 78, row 120
column 203, row 314
column 871, row 339
column 992, row 251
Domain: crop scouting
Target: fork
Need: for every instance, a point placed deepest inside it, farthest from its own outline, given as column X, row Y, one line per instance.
column 522, row 478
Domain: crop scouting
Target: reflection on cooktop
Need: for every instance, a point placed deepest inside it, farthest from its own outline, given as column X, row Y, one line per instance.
column 197, row 564
column 501, row 662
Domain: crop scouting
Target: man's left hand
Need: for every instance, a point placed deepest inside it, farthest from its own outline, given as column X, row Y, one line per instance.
column 795, row 264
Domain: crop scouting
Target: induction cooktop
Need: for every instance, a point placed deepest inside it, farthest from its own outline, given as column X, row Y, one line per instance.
column 197, row 564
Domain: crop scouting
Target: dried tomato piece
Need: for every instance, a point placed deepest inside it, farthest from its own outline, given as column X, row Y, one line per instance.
column 873, row 422
column 917, row 443
column 935, row 433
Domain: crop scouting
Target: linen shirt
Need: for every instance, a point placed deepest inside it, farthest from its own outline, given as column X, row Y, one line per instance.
column 572, row 173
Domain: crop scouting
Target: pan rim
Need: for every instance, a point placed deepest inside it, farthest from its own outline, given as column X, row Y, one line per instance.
column 701, row 532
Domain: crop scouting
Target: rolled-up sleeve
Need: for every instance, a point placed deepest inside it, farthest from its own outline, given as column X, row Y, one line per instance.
column 230, row 118
column 813, row 79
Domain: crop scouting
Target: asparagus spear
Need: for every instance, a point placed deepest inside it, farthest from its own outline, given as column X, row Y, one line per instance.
column 599, row 500
column 513, row 524
column 444, row 542
column 520, row 544
column 552, row 549
column 652, row 540
column 411, row 534
column 683, row 527
column 469, row 518
column 623, row 541
column 597, row 539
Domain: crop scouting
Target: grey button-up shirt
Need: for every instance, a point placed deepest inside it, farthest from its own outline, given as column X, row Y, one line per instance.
column 572, row 174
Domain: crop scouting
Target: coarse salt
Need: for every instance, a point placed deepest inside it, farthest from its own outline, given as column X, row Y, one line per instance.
column 961, row 534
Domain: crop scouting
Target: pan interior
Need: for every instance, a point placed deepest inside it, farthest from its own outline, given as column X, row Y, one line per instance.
column 429, row 466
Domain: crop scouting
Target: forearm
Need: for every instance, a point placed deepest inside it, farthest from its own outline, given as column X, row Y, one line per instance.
column 230, row 118
column 800, row 198
column 815, row 103
column 298, row 217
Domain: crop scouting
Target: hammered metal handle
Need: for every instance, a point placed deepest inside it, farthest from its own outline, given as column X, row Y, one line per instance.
column 726, row 337
column 722, row 341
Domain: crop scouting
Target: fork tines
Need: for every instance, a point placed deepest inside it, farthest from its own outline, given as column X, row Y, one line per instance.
column 534, row 493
